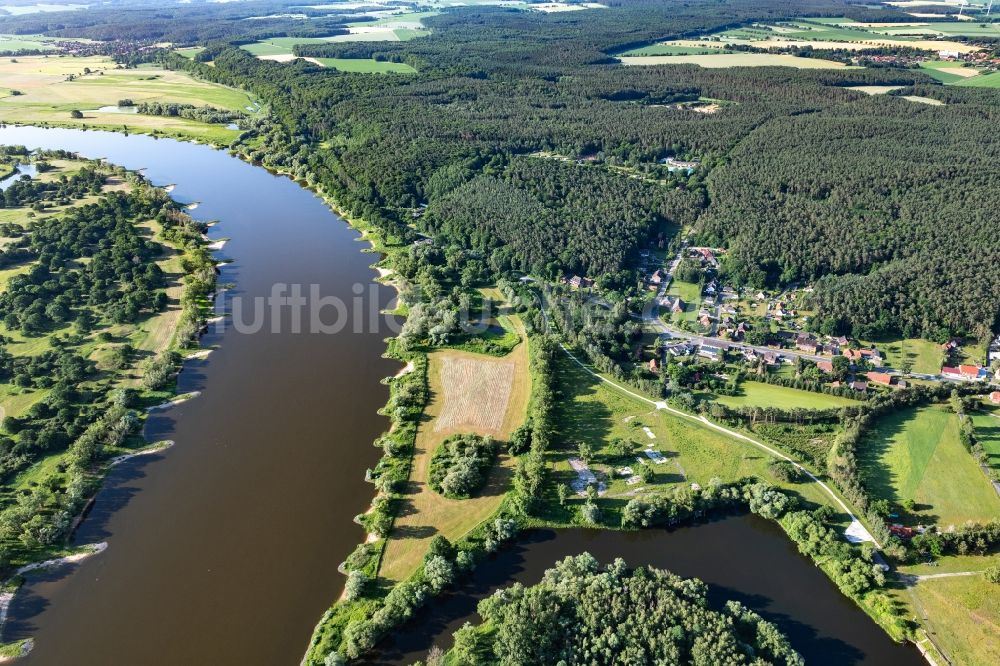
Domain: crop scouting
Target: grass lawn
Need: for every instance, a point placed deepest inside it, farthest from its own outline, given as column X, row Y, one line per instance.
column 759, row 394
column 366, row 66
column 49, row 96
column 690, row 295
column 916, row 454
column 426, row 513
column 987, row 425
column 591, row 411
column 924, row 356
column 964, row 614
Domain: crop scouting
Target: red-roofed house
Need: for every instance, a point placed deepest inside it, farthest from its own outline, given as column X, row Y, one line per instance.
column 995, row 397
column 825, row 366
column 882, row 378
column 954, row 373
column 970, row 371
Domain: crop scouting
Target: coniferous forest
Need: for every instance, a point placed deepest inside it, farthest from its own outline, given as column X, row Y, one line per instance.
column 540, row 155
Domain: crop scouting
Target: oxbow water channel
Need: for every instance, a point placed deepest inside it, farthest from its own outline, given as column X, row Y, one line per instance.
column 224, row 548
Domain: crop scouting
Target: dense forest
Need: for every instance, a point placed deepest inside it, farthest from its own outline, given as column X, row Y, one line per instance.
column 528, row 145
column 581, row 614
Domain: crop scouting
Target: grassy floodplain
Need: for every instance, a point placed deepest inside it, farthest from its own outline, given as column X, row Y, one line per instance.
column 116, row 351
column 915, row 454
column 53, row 86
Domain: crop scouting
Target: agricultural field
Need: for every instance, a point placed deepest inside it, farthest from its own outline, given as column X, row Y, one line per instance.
column 847, row 35
column 735, row 60
column 25, row 43
column 596, row 413
column 365, row 66
column 759, row 394
column 982, row 81
column 362, row 32
column 470, row 393
column 672, row 49
column 915, row 454
column 53, row 86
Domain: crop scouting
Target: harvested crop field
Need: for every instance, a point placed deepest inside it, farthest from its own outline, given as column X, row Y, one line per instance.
column 473, row 393
column 736, row 60
column 476, row 391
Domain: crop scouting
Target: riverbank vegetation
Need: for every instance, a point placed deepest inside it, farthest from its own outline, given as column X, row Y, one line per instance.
column 110, row 280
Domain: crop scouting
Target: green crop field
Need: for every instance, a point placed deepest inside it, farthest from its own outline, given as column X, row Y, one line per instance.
column 366, row 66
column 25, row 43
column 915, row 454
column 983, row 81
column 190, row 51
column 758, row 394
column 280, row 45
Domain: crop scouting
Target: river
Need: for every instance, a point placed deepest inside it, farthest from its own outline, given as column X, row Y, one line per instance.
column 223, row 549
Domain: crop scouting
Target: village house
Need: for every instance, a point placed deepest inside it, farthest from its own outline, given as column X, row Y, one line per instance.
column 654, row 365
column 658, row 276
column 805, row 342
column 859, row 385
column 678, row 306
column 712, row 350
column 825, row 366
column 770, row 358
column 995, row 397
column 972, row 372
column 682, row 349
column 880, row 378
column 578, row 282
